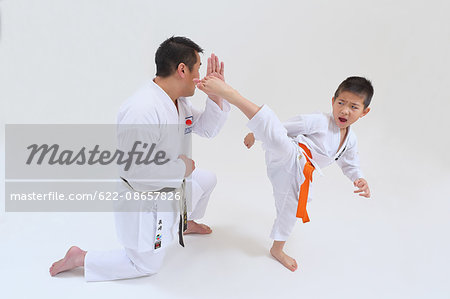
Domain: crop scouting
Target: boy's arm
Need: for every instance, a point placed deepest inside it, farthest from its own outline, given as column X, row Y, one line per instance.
column 249, row 140
column 363, row 187
column 349, row 164
column 297, row 125
column 305, row 124
column 294, row 127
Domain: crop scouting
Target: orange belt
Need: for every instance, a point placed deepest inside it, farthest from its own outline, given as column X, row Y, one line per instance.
column 304, row 188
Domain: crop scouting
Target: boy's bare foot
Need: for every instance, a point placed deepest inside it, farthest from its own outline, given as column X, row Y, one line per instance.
column 278, row 253
column 73, row 258
column 197, row 228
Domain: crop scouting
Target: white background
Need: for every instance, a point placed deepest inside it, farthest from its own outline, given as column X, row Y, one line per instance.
column 77, row 61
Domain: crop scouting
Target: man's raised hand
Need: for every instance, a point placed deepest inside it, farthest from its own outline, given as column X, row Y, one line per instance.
column 215, row 68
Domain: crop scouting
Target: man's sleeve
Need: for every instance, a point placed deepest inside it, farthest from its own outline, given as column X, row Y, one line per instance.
column 149, row 176
column 209, row 122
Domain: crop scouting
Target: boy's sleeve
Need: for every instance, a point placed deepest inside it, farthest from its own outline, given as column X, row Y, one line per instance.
column 349, row 161
column 302, row 124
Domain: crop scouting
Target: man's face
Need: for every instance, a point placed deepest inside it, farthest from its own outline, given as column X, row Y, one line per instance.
column 348, row 107
column 191, row 75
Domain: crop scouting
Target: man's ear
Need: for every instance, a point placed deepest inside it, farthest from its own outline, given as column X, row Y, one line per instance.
column 365, row 112
column 181, row 70
column 332, row 100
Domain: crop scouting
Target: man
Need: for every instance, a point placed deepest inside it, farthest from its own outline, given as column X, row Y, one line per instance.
column 161, row 102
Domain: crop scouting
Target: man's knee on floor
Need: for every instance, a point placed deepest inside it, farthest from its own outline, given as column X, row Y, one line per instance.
column 148, row 263
column 148, row 269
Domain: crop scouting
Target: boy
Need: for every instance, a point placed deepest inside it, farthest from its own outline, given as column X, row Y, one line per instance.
column 300, row 146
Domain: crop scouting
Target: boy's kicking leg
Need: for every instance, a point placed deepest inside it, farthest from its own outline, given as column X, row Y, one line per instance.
column 283, row 172
column 270, row 131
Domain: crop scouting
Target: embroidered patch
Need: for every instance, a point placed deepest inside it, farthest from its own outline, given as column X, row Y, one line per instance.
column 188, row 121
column 158, row 235
column 187, row 130
column 157, row 244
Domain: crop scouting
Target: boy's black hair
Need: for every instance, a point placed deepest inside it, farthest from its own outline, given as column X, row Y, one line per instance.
column 172, row 52
column 358, row 85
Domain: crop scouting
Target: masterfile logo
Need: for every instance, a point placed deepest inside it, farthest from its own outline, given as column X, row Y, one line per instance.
column 83, row 167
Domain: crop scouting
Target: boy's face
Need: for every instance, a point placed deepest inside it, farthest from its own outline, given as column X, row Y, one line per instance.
column 348, row 107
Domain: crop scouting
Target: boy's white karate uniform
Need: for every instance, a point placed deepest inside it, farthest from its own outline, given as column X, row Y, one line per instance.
column 285, row 159
column 150, row 105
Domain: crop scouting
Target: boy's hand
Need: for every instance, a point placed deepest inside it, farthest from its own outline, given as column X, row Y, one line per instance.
column 363, row 187
column 249, row 140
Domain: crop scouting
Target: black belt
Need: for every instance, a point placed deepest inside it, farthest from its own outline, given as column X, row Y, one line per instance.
column 182, row 227
column 165, row 189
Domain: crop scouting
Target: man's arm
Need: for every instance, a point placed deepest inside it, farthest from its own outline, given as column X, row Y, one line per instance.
column 209, row 122
column 217, row 69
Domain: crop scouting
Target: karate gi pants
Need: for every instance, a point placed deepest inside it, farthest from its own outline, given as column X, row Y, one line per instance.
column 284, row 163
column 130, row 263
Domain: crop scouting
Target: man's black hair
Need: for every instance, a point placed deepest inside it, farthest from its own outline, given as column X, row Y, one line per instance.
column 172, row 52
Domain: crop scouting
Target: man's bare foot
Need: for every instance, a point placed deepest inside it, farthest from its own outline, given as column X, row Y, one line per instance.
column 278, row 253
column 73, row 258
column 197, row 228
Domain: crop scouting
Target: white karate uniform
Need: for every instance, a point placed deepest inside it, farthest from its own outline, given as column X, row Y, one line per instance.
column 285, row 159
column 136, row 231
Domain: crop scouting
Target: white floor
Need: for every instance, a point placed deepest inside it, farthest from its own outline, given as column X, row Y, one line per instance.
column 395, row 245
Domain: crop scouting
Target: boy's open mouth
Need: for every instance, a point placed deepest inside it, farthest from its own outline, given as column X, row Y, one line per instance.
column 342, row 120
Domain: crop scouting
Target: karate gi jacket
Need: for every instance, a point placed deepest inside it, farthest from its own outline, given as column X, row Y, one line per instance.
column 150, row 116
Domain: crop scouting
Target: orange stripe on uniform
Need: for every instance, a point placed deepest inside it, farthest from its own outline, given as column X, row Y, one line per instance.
column 304, row 188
